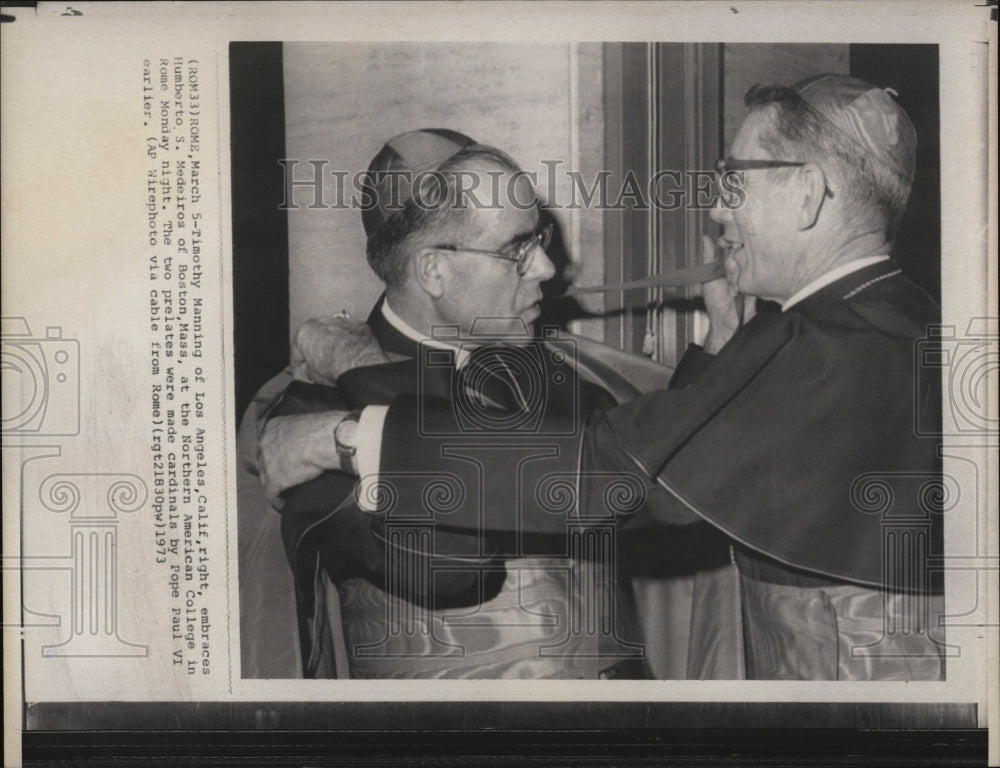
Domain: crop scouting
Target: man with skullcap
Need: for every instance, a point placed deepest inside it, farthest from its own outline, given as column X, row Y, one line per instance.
column 455, row 234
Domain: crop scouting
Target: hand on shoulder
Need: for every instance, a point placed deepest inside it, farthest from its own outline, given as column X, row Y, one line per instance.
column 326, row 347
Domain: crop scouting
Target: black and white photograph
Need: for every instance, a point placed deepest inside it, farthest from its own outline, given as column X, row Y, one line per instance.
column 523, row 518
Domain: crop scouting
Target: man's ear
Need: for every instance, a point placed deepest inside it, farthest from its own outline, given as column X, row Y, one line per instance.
column 431, row 271
column 815, row 190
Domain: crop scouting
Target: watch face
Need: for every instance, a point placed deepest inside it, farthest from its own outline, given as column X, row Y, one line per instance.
column 345, row 432
column 344, row 440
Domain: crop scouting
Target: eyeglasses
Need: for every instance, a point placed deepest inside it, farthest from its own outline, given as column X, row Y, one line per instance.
column 730, row 198
column 521, row 254
column 730, row 164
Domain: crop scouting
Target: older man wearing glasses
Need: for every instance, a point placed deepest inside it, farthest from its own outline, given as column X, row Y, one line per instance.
column 795, row 433
column 454, row 232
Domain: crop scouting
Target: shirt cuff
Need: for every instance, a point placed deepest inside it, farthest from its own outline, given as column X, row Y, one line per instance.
column 369, row 453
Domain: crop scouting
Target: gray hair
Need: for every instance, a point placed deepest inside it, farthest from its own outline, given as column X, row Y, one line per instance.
column 432, row 210
column 873, row 192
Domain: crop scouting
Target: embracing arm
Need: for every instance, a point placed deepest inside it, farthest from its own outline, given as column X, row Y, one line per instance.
column 501, row 481
column 293, row 448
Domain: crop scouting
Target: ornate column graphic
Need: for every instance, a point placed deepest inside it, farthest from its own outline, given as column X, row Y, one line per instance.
column 93, row 502
column 409, row 539
column 910, row 506
column 592, row 547
column 15, row 458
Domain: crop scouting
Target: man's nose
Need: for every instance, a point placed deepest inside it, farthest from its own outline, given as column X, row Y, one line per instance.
column 541, row 267
column 720, row 214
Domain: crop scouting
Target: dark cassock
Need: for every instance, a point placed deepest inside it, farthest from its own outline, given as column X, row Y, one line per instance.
column 799, row 442
column 329, row 591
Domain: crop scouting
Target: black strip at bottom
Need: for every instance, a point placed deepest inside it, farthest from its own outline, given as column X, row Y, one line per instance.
column 502, row 733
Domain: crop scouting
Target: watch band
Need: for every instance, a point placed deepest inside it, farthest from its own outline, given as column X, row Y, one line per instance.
column 346, row 453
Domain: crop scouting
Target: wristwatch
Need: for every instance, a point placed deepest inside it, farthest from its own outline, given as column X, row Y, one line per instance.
column 345, row 439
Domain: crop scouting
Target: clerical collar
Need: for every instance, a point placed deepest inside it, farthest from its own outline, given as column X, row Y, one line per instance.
column 830, row 277
column 461, row 352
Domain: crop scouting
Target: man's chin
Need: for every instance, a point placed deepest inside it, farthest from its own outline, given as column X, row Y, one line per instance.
column 513, row 327
column 531, row 314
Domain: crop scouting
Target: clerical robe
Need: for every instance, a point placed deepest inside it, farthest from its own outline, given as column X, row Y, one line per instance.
column 799, row 441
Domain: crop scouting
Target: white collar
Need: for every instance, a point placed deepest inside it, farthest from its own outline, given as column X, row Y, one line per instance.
column 461, row 351
column 830, row 277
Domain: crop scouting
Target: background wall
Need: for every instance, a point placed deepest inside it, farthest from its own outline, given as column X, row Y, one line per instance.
column 342, row 101
column 746, row 64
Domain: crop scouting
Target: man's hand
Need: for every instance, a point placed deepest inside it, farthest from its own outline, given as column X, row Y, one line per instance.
column 325, row 347
column 728, row 309
column 295, row 449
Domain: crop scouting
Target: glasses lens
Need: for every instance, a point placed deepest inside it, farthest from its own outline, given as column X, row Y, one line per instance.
column 524, row 263
column 526, row 253
column 545, row 237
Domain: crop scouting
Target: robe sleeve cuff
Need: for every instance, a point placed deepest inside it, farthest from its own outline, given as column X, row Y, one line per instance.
column 369, row 451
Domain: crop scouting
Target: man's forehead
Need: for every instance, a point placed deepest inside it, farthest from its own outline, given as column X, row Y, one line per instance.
column 501, row 224
column 495, row 183
column 499, row 205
